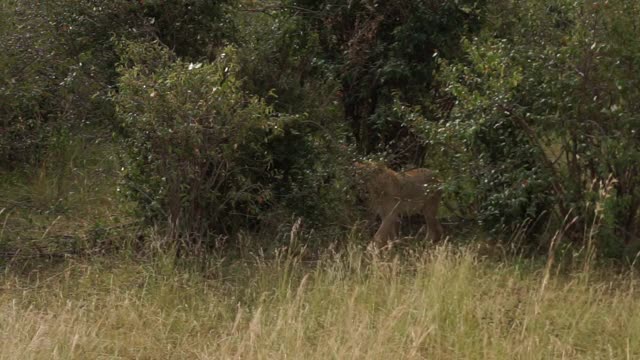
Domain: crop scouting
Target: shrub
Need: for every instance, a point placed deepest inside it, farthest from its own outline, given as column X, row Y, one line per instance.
column 30, row 73
column 546, row 108
column 380, row 50
column 201, row 151
column 58, row 60
column 55, row 69
column 279, row 59
column 194, row 140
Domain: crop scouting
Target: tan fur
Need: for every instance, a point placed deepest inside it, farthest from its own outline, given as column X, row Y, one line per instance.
column 390, row 195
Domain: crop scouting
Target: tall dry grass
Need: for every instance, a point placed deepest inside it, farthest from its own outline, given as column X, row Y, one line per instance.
column 444, row 303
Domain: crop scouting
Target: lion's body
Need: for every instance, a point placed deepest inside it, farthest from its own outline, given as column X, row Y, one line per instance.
column 390, row 195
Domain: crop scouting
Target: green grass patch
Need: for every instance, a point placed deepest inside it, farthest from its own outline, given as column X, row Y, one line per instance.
column 65, row 204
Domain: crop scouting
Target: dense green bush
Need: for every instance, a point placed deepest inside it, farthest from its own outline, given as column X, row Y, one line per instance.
column 546, row 110
column 32, row 79
column 205, row 154
column 281, row 60
column 58, row 61
column 381, row 50
column 193, row 29
column 56, row 68
column 244, row 114
column 195, row 140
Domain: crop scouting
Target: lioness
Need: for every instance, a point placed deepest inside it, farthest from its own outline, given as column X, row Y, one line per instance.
column 390, row 194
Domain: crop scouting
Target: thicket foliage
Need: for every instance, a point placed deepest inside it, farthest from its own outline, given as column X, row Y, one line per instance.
column 383, row 50
column 204, row 153
column 281, row 60
column 194, row 29
column 57, row 65
column 546, row 106
column 195, row 140
column 58, row 60
column 36, row 84
column 236, row 114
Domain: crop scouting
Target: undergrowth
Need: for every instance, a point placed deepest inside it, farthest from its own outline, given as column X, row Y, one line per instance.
column 67, row 203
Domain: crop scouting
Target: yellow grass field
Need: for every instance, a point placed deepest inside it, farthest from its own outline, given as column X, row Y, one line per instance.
column 444, row 303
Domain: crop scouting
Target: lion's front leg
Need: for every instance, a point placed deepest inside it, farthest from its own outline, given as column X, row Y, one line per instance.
column 388, row 227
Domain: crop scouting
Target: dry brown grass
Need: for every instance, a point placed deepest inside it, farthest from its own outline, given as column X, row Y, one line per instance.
column 441, row 304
